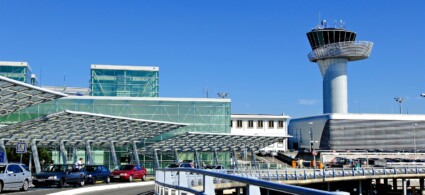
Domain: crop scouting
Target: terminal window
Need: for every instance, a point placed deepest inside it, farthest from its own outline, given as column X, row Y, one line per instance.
column 271, row 124
column 239, row 123
column 260, row 124
column 280, row 124
column 250, row 124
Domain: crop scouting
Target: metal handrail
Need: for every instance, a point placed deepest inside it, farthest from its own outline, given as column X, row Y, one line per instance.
column 352, row 50
column 249, row 181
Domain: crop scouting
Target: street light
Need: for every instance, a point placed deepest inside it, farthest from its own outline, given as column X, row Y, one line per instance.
column 414, row 137
column 399, row 100
column 311, row 136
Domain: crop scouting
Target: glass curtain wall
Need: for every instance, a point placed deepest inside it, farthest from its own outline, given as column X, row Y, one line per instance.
column 202, row 116
column 19, row 73
column 126, row 83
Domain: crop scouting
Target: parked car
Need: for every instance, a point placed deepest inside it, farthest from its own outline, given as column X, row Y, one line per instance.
column 129, row 173
column 179, row 165
column 97, row 173
column 14, row 176
column 339, row 162
column 59, row 175
column 214, row 167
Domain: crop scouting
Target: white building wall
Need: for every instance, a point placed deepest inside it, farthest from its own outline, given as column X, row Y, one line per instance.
column 264, row 130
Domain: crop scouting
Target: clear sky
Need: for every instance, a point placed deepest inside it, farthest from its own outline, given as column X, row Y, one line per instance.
column 254, row 50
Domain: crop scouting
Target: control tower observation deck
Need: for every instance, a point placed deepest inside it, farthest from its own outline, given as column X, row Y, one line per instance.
column 332, row 49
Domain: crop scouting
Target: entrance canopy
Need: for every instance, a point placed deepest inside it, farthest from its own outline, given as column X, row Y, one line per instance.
column 79, row 127
column 16, row 95
column 208, row 142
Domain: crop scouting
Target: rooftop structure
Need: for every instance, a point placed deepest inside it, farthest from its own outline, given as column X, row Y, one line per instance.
column 127, row 81
column 19, row 71
column 332, row 49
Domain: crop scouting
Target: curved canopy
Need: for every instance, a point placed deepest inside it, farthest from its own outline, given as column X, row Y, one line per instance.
column 16, row 95
column 208, row 142
column 75, row 127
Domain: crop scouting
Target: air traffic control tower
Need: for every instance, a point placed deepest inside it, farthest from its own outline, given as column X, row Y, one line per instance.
column 332, row 49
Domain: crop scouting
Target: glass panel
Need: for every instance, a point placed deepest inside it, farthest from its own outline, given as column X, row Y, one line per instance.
column 127, row 83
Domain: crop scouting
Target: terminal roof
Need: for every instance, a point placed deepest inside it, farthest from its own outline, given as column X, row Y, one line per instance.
column 79, row 127
column 208, row 142
column 16, row 95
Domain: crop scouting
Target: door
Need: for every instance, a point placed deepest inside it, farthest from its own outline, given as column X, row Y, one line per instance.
column 12, row 175
column 105, row 172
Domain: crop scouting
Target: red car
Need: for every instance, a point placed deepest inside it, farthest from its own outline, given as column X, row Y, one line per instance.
column 129, row 173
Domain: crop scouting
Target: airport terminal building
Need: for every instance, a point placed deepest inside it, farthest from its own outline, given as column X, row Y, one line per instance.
column 120, row 118
column 125, row 91
column 382, row 132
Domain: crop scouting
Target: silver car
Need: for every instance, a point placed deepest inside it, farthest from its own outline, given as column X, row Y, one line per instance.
column 14, row 176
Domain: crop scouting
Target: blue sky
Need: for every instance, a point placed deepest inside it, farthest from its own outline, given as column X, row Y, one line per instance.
column 254, row 50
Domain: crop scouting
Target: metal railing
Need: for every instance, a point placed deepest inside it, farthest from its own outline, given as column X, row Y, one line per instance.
column 353, row 50
column 198, row 181
column 311, row 174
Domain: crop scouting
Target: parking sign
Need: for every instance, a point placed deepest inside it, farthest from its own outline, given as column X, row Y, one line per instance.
column 21, row 147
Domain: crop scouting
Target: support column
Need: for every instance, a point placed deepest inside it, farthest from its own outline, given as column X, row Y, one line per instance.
column 62, row 152
column 176, row 156
column 89, row 159
column 3, row 149
column 114, row 155
column 385, row 185
column 197, row 164
column 74, row 154
column 329, row 186
column 238, row 191
column 360, row 187
column 136, row 153
column 235, row 159
column 395, row 184
column 35, row 156
column 421, row 185
column 155, row 158
column 403, row 183
column 253, row 158
column 215, row 157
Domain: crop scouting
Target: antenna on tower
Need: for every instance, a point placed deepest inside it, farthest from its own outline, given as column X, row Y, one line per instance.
column 324, row 23
column 341, row 24
column 223, row 94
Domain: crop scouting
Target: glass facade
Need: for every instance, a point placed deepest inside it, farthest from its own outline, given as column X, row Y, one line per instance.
column 17, row 72
column 124, row 82
column 202, row 116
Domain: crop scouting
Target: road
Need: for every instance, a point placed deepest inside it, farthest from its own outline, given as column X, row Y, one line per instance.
column 122, row 188
column 125, row 191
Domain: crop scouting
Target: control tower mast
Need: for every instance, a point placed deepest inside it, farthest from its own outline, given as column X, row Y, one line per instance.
column 332, row 49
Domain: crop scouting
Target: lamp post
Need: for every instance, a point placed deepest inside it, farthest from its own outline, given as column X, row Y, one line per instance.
column 311, row 136
column 414, row 138
column 400, row 100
